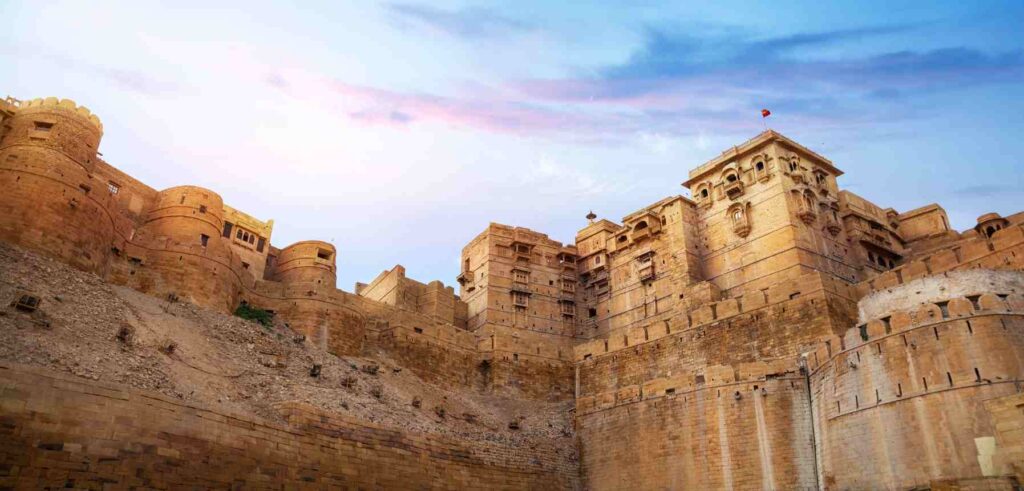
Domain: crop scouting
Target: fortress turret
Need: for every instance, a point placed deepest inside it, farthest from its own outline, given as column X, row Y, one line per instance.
column 57, row 124
column 186, row 255
column 309, row 261
column 51, row 203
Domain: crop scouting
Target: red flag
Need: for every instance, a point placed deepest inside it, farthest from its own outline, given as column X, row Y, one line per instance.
column 765, row 113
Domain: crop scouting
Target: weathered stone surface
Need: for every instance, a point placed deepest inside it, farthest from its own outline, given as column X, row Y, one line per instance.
column 772, row 332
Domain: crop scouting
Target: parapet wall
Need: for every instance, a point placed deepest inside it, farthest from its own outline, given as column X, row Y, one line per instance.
column 904, row 395
column 754, row 434
column 743, row 309
column 65, row 432
column 1003, row 251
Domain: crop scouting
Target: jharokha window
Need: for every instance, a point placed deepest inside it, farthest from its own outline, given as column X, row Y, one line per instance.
column 520, row 276
column 245, row 235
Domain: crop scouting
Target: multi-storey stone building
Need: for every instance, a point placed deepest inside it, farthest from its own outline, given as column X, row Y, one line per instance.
column 772, row 332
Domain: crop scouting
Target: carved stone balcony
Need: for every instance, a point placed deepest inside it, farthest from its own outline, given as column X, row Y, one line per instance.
column 807, row 216
column 741, row 228
column 465, row 278
column 733, row 189
column 833, row 227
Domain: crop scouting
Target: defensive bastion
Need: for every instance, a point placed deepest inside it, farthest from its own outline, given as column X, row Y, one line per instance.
column 772, row 332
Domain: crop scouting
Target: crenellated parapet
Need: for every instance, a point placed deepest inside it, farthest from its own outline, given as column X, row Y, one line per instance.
column 720, row 315
column 912, row 383
column 57, row 125
column 732, row 381
column 1000, row 251
column 54, row 103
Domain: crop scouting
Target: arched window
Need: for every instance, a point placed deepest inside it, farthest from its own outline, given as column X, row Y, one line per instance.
column 731, row 178
column 759, row 166
column 704, row 193
column 793, row 166
column 990, row 230
column 641, row 225
column 809, row 202
column 622, row 238
column 737, row 215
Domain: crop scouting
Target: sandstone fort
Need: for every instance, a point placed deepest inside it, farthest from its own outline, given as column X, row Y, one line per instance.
column 771, row 332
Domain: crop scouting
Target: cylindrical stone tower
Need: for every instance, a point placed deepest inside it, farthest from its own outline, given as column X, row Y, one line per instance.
column 50, row 201
column 309, row 261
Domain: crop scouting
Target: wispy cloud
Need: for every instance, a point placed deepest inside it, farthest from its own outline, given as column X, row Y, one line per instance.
column 680, row 83
column 473, row 22
column 723, row 73
column 124, row 78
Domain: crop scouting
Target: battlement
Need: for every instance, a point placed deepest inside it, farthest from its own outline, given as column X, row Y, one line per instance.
column 55, row 103
column 734, row 382
column 927, row 314
column 1000, row 251
column 807, row 286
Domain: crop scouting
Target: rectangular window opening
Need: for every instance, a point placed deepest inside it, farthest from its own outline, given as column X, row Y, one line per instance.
column 43, row 126
column 204, row 239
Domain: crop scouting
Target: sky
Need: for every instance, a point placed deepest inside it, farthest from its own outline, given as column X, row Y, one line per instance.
column 399, row 130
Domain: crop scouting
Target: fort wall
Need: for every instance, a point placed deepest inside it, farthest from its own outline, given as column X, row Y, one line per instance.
column 679, row 333
column 60, row 431
column 904, row 394
column 753, row 434
column 50, row 202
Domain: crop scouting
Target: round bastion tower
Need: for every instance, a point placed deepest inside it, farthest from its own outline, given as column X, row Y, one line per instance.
column 309, row 261
column 186, row 255
column 308, row 272
column 50, row 202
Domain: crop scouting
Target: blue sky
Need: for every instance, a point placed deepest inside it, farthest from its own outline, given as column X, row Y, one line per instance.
column 399, row 130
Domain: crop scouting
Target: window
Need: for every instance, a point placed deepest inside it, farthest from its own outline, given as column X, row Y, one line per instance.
column 245, row 265
column 640, row 226
column 113, row 187
column 759, row 166
column 323, row 254
column 597, row 259
column 730, row 178
column 592, row 312
column 704, row 193
column 182, row 200
column 521, row 276
column 43, row 126
column 204, row 239
column 85, row 188
column 737, row 215
column 520, row 299
column 238, row 234
column 202, row 208
column 227, row 229
column 260, row 244
column 793, row 166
